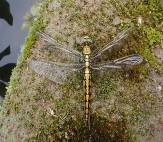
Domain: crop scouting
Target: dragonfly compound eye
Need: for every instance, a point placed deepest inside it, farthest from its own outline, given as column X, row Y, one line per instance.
column 87, row 40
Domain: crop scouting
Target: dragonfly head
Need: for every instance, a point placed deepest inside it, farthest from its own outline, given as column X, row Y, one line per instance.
column 87, row 40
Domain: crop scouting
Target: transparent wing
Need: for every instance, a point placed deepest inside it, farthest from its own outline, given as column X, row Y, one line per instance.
column 119, row 63
column 53, row 44
column 116, row 41
column 53, row 71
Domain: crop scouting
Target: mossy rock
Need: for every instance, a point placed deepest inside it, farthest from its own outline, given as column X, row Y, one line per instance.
column 126, row 104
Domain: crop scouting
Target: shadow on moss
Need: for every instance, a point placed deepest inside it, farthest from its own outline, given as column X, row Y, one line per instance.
column 102, row 130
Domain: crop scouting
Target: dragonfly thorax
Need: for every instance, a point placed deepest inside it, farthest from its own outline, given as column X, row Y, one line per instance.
column 86, row 50
column 87, row 42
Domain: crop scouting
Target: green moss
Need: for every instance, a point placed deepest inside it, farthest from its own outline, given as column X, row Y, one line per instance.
column 38, row 25
column 113, row 130
column 150, row 33
column 122, row 100
column 150, row 38
column 153, row 36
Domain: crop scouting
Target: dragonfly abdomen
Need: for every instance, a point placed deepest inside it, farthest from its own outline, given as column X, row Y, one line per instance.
column 87, row 87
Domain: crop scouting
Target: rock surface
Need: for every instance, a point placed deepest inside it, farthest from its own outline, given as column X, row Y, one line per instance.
column 158, row 51
column 126, row 104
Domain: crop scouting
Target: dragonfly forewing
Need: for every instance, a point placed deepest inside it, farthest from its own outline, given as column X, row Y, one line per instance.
column 116, row 41
column 119, row 63
column 55, row 72
column 54, row 44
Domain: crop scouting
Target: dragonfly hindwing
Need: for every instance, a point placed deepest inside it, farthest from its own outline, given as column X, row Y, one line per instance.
column 119, row 63
column 129, row 60
column 55, row 72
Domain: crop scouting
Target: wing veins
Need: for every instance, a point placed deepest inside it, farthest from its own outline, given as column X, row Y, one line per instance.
column 118, row 63
column 56, row 72
column 56, row 45
column 115, row 41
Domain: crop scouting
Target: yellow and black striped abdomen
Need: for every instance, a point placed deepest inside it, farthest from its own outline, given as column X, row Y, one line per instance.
column 87, row 88
column 87, row 84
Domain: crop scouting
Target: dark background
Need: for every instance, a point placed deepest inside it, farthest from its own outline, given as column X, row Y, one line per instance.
column 12, row 37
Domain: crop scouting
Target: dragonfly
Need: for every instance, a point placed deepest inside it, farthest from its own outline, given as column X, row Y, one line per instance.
column 84, row 62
